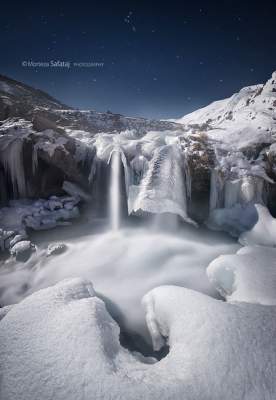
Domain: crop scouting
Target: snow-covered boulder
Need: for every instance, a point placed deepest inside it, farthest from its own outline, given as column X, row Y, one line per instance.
column 249, row 275
column 22, row 250
column 263, row 232
column 55, row 249
column 61, row 343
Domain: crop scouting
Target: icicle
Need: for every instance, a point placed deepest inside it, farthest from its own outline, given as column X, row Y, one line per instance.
column 231, row 193
column 34, row 159
column 139, row 166
column 188, row 179
column 92, row 170
column 216, row 190
column 11, row 149
column 252, row 190
column 242, row 191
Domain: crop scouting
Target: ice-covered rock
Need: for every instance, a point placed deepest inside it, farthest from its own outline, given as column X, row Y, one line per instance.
column 17, row 238
column 54, row 204
column 212, row 344
column 38, row 215
column 22, row 250
column 249, row 275
column 263, row 232
column 55, row 249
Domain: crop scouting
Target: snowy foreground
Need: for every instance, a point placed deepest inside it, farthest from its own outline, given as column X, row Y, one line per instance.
column 61, row 343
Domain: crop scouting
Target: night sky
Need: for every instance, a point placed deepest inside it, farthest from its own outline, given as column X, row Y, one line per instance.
column 161, row 59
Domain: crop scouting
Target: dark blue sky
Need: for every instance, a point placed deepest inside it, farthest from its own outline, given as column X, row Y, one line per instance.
column 161, row 59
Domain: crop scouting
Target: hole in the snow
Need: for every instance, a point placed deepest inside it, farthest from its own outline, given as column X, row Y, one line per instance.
column 130, row 340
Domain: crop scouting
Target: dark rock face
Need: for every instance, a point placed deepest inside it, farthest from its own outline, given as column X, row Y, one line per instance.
column 200, row 160
column 22, row 101
column 47, row 158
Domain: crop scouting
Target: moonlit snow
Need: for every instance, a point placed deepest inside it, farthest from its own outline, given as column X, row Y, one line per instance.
column 138, row 299
column 61, row 343
column 263, row 232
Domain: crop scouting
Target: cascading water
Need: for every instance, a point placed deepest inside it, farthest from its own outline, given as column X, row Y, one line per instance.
column 114, row 194
column 162, row 189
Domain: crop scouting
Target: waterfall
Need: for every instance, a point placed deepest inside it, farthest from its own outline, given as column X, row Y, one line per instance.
column 114, row 193
column 162, row 189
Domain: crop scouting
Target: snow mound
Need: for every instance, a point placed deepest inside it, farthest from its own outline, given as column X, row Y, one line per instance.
column 212, row 344
column 249, row 275
column 264, row 232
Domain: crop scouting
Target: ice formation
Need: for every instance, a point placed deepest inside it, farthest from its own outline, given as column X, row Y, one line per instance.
column 11, row 154
column 248, row 276
column 212, row 344
column 154, row 170
column 232, row 202
column 162, row 189
column 263, row 232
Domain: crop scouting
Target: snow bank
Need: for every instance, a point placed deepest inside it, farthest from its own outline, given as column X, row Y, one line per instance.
column 61, row 343
column 264, row 232
column 249, row 275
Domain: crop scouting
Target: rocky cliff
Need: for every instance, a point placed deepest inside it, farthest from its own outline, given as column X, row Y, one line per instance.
column 221, row 157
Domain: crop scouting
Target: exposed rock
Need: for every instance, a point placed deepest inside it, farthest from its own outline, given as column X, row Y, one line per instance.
column 56, row 149
column 74, row 190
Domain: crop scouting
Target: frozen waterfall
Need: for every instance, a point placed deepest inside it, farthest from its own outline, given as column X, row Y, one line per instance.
column 114, row 194
column 228, row 193
column 162, row 189
column 11, row 152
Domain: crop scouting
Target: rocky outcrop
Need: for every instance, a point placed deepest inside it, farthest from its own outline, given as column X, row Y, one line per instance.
column 223, row 153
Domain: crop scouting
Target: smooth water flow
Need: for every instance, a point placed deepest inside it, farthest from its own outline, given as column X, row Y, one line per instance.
column 114, row 194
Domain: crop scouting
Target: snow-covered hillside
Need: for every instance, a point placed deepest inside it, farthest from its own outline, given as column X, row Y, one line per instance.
column 246, row 118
